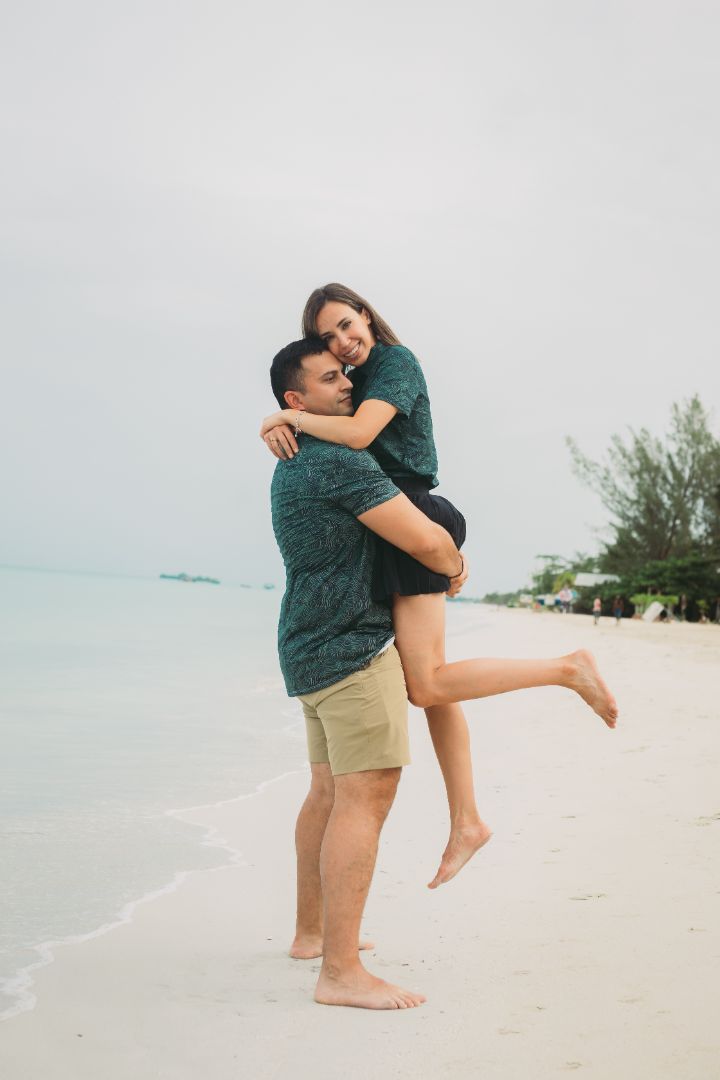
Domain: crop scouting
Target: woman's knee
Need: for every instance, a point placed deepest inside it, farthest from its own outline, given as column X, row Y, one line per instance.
column 420, row 667
column 419, row 691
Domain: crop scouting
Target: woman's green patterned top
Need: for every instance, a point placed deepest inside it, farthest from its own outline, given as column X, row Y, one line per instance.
column 329, row 625
column 405, row 447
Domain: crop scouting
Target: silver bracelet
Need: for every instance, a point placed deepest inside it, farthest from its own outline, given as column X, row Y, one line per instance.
column 298, row 429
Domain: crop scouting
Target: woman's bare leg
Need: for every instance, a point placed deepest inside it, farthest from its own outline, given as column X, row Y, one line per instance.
column 451, row 740
column 432, row 681
column 468, row 832
column 435, row 685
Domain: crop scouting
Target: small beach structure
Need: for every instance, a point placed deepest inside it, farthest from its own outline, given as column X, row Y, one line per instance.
column 588, row 581
column 654, row 612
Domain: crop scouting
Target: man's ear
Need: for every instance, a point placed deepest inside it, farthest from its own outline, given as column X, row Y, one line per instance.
column 293, row 400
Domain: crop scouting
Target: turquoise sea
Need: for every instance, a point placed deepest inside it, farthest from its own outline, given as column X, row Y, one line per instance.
column 121, row 700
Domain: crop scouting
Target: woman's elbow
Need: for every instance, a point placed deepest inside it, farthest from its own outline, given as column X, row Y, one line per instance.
column 359, row 440
column 426, row 549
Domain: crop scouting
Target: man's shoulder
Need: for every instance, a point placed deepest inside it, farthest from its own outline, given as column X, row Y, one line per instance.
column 329, row 456
column 317, row 462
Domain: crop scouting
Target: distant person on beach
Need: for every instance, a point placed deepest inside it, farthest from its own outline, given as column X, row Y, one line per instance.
column 618, row 609
column 333, row 638
column 392, row 417
column 565, row 598
column 597, row 610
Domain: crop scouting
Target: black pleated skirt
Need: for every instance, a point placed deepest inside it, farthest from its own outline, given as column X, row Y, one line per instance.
column 397, row 572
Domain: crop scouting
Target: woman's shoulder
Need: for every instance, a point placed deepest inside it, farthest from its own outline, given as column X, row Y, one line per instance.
column 398, row 354
column 396, row 350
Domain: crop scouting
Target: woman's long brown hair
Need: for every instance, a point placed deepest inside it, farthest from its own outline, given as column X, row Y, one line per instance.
column 342, row 295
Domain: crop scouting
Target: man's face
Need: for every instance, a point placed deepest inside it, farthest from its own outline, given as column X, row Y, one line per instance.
column 327, row 390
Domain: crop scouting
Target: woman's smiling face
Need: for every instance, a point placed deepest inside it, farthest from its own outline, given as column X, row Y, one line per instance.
column 346, row 332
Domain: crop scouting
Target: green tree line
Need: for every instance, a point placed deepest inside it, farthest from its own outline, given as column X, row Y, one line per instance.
column 662, row 497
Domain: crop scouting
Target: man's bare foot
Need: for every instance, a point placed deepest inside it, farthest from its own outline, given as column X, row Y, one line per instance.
column 306, row 947
column 361, row 990
column 586, row 680
column 464, row 841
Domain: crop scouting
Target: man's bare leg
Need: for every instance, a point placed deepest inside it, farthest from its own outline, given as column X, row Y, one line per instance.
column 347, row 862
column 468, row 832
column 309, row 831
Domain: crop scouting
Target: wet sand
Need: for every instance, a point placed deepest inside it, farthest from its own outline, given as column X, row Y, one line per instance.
column 583, row 938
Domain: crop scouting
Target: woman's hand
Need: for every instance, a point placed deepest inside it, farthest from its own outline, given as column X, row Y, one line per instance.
column 281, row 442
column 277, row 433
column 286, row 417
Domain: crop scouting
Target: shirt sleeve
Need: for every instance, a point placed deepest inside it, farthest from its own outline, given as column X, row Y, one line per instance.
column 396, row 379
column 356, row 482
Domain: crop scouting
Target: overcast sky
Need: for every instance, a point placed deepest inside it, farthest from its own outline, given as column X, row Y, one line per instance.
column 527, row 192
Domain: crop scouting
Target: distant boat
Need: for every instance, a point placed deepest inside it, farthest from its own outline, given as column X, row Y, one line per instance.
column 268, row 586
column 188, row 577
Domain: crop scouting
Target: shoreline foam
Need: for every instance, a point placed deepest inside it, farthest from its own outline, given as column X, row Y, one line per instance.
column 19, row 985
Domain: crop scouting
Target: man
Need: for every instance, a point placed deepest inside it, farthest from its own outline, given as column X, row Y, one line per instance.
column 336, row 656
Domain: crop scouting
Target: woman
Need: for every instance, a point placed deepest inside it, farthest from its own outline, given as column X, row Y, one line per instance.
column 392, row 418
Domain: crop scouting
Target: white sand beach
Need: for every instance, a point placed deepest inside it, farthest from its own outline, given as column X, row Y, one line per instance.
column 583, row 938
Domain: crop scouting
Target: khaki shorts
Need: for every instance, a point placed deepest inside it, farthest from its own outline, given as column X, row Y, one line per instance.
column 360, row 722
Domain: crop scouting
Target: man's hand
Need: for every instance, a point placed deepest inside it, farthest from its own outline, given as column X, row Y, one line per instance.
column 457, row 583
column 407, row 528
column 281, row 442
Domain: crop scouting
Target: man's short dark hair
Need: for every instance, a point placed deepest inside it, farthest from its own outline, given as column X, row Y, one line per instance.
column 286, row 371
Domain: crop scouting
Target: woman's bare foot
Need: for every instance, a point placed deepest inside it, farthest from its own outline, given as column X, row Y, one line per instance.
column 306, row 947
column 586, row 680
column 464, row 841
column 361, row 990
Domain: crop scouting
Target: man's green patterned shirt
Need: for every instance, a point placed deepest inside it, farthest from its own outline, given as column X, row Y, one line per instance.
column 329, row 625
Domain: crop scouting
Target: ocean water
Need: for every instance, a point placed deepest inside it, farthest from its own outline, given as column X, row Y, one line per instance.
column 120, row 701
